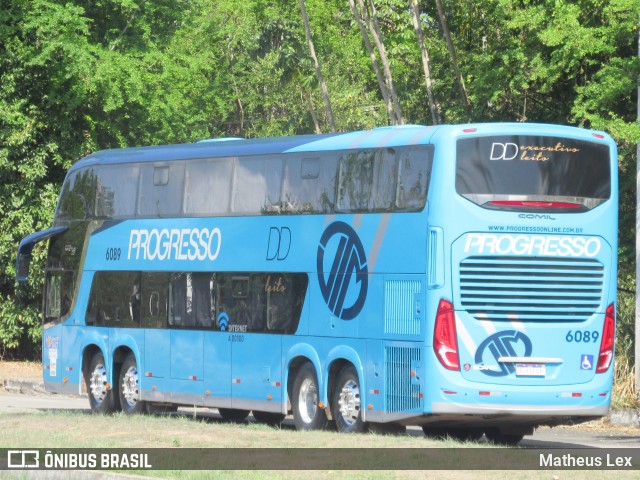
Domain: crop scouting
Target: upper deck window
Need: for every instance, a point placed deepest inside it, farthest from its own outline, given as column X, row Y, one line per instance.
column 494, row 170
column 342, row 181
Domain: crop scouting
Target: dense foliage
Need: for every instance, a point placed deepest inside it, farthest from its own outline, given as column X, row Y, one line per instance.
column 80, row 76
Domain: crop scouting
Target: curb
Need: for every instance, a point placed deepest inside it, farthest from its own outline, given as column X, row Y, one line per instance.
column 617, row 418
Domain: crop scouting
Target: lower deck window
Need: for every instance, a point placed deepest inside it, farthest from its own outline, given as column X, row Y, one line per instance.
column 261, row 302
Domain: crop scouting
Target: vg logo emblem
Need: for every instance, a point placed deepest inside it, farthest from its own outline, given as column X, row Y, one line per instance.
column 342, row 270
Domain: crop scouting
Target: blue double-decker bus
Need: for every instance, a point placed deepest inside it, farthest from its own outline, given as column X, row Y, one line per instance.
column 461, row 278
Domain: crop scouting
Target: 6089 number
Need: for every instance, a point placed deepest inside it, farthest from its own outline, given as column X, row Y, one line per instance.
column 579, row 336
column 113, row 254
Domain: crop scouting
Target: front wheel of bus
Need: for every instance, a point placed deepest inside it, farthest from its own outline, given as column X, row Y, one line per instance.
column 307, row 412
column 130, row 387
column 101, row 395
column 346, row 402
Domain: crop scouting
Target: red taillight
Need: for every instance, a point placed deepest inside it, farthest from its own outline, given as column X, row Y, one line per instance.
column 533, row 204
column 445, row 343
column 608, row 340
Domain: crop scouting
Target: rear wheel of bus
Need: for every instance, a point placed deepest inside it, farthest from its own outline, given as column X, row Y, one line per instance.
column 305, row 402
column 101, row 395
column 130, row 387
column 346, row 402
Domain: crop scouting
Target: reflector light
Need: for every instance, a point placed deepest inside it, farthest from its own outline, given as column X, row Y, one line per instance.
column 608, row 340
column 445, row 343
column 576, row 394
column 533, row 204
column 598, row 135
column 484, row 394
column 470, row 130
column 450, row 392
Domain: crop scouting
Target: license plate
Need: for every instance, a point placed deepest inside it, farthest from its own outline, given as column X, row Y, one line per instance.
column 531, row 369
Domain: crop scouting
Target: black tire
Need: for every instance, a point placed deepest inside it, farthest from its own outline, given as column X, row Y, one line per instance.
column 233, row 414
column 307, row 415
column 129, row 387
column 269, row 418
column 499, row 438
column 346, row 402
column 459, row 434
column 102, row 396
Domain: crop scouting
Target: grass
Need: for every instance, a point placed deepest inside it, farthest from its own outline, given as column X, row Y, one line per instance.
column 73, row 429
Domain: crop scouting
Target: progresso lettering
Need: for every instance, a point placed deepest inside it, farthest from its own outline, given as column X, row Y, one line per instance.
column 552, row 246
column 175, row 244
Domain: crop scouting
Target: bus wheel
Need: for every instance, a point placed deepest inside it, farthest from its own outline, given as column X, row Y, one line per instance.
column 500, row 438
column 307, row 414
column 269, row 418
column 233, row 415
column 130, row 387
column 101, row 396
column 345, row 405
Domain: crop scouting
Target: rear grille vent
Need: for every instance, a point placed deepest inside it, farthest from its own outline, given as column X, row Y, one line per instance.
column 531, row 289
column 402, row 393
column 400, row 315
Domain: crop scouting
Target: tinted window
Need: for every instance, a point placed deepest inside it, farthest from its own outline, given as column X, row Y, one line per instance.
column 78, row 196
column 153, row 308
column 260, row 302
column 115, row 299
column 414, row 164
column 207, row 187
column 309, row 183
column 59, row 295
column 367, row 180
column 257, row 185
column 116, row 191
column 528, row 165
column 160, row 191
column 190, row 300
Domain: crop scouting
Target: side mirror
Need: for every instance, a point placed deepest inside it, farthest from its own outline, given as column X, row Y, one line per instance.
column 22, row 266
column 26, row 246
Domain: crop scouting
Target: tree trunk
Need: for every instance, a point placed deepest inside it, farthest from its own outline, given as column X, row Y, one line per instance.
column 454, row 58
column 426, row 64
column 316, row 64
column 374, row 28
column 374, row 62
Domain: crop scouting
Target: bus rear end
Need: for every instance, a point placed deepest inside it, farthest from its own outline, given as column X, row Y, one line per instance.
column 524, row 326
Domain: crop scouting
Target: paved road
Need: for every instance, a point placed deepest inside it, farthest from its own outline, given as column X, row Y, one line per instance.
column 560, row 437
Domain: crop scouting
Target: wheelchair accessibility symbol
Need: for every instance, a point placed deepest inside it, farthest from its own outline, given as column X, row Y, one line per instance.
column 586, row 363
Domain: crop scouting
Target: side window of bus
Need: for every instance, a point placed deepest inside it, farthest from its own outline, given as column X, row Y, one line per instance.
column 309, row 183
column 260, row 302
column 116, row 191
column 115, row 300
column 153, row 306
column 413, row 178
column 367, row 180
column 190, row 300
column 207, row 187
column 160, row 190
column 257, row 185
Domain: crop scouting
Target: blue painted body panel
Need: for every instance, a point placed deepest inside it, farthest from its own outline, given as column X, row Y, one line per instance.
column 405, row 282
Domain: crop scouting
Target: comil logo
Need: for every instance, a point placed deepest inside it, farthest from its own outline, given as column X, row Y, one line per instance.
column 345, row 282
